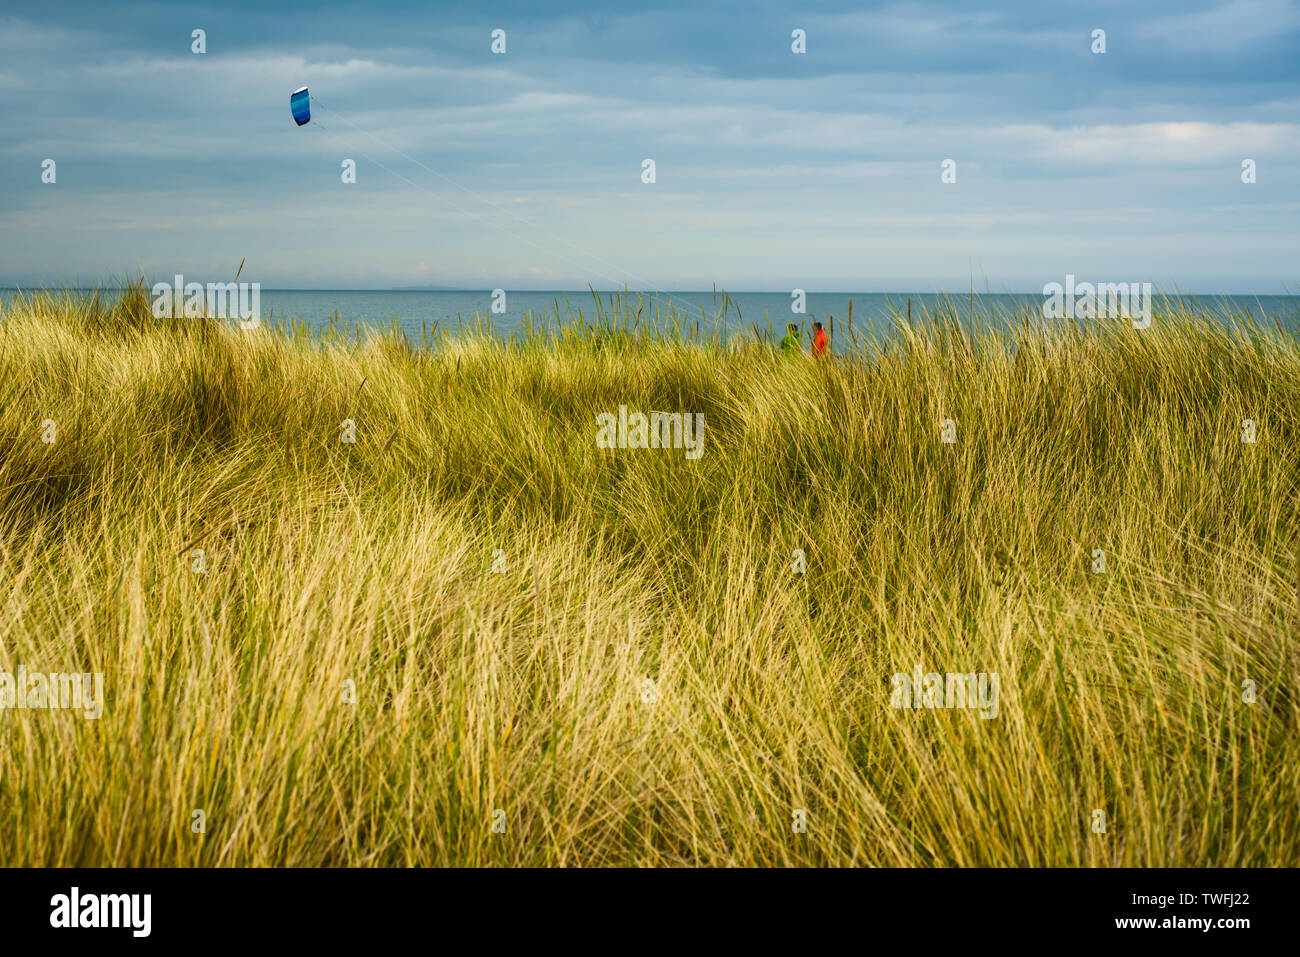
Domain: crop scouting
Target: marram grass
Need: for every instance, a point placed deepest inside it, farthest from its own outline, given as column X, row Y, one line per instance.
column 332, row 566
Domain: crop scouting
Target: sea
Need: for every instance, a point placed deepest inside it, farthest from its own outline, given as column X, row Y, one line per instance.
column 416, row 311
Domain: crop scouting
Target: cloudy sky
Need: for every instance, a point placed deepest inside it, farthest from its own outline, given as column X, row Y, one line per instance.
column 774, row 170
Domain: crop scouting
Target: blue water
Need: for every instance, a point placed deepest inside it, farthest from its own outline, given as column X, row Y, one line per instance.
column 413, row 311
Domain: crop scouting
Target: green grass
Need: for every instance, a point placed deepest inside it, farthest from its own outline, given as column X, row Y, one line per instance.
column 523, row 690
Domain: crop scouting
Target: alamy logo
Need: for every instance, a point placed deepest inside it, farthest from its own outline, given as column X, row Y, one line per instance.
column 102, row 910
column 953, row 690
column 219, row 300
column 1105, row 300
column 56, row 691
column 660, row 430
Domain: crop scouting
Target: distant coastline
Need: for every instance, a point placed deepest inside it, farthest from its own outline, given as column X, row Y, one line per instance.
column 431, row 289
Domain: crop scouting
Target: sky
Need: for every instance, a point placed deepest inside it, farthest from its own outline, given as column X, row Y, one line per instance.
column 774, row 170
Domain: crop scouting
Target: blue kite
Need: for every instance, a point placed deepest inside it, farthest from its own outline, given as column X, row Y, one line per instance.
column 300, row 105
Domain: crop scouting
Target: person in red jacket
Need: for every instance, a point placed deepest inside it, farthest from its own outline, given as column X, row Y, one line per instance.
column 821, row 341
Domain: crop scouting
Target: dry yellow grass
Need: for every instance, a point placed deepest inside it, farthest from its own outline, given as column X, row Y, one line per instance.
column 525, row 690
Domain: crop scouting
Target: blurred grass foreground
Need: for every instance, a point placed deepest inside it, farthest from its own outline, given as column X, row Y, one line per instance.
column 476, row 636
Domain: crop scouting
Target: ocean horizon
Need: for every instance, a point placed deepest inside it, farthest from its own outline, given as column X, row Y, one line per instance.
column 414, row 310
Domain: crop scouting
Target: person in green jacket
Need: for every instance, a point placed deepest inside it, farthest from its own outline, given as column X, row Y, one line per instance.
column 790, row 344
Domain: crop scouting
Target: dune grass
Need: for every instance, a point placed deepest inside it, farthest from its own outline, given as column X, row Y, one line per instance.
column 351, row 680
